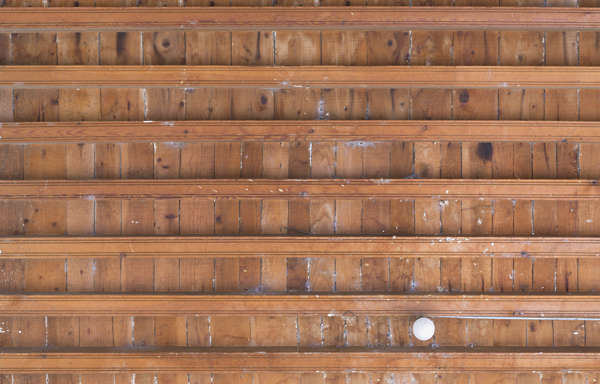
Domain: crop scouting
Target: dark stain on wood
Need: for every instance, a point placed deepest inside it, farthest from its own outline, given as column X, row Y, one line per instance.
column 485, row 151
column 121, row 43
column 464, row 96
column 258, row 46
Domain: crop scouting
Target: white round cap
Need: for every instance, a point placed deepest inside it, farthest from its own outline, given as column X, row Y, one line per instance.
column 423, row 328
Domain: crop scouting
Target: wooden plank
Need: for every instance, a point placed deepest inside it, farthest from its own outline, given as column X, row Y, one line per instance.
column 273, row 130
column 120, row 48
column 299, row 18
column 275, row 77
column 76, row 48
column 431, row 48
column 290, row 246
column 33, row 48
column 303, row 188
column 171, row 360
column 505, row 306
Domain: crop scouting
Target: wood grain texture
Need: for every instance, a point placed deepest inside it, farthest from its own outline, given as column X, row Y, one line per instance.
column 276, row 77
column 273, row 130
column 290, row 359
column 303, row 189
column 300, row 18
column 434, row 305
column 289, row 246
column 485, row 249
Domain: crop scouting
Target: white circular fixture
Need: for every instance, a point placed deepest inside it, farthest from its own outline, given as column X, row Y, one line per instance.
column 423, row 328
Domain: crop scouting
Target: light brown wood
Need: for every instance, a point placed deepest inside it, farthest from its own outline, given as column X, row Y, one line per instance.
column 434, row 305
column 550, row 275
column 276, row 77
column 276, row 130
column 293, row 360
column 303, row 189
column 290, row 246
column 247, row 18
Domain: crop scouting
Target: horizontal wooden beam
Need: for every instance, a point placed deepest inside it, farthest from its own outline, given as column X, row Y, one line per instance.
column 304, row 360
column 304, row 189
column 278, row 130
column 299, row 246
column 277, row 77
column 433, row 305
column 252, row 18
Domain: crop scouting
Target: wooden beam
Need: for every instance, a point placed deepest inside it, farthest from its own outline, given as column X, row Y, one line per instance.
column 303, row 189
column 168, row 360
column 299, row 246
column 276, row 77
column 278, row 130
column 252, row 18
column 434, row 305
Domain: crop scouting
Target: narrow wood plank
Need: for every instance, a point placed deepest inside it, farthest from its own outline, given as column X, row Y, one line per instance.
column 274, row 130
column 504, row 306
column 277, row 77
column 290, row 246
column 303, row 188
column 300, row 18
column 169, row 360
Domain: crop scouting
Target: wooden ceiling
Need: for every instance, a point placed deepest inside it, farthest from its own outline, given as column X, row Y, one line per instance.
column 198, row 192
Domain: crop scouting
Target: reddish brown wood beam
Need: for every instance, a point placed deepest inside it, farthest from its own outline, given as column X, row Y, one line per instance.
column 292, row 360
column 303, row 189
column 293, row 77
column 349, row 130
column 299, row 246
column 433, row 305
column 252, row 18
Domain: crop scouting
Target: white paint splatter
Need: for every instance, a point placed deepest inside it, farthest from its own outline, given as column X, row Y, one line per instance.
column 360, row 144
column 382, row 181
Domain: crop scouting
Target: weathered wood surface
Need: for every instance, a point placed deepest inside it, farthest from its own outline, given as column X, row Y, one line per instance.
column 434, row 305
column 304, row 189
column 32, row 247
column 292, row 360
column 289, row 77
column 486, row 149
column 338, row 18
column 277, row 130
